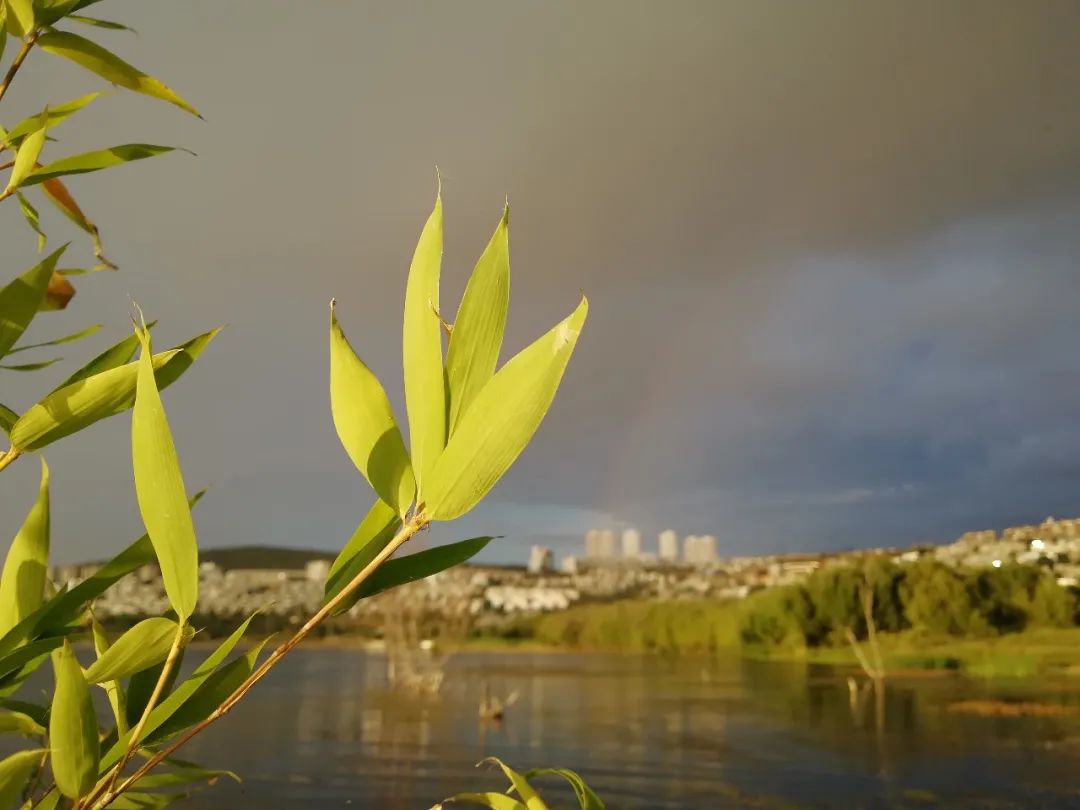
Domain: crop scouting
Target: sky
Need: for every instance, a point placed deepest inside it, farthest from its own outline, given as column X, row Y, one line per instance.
column 832, row 252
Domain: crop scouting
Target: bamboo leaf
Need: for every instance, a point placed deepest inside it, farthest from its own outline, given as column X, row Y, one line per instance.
column 22, row 584
column 32, row 366
column 116, row 355
column 365, row 423
column 94, row 161
column 585, row 795
column 159, row 488
column 21, row 299
column 32, row 218
column 14, row 661
column 109, row 66
column 402, row 570
column 57, row 294
column 501, row 421
column 181, row 694
column 8, row 418
column 22, row 723
column 142, row 684
column 371, row 536
column 520, row 784
column 478, row 331
column 20, row 17
column 114, row 690
column 3, row 27
column 184, row 774
column 15, row 770
column 143, row 646
column 52, row 11
column 58, row 194
column 99, row 23
column 27, row 155
column 425, row 383
column 74, row 336
column 54, row 116
column 494, row 801
column 73, row 731
column 97, row 397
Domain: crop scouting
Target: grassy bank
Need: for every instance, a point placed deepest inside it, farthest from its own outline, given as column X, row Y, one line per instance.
column 703, row 626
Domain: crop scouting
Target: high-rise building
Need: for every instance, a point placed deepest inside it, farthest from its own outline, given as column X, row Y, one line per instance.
column 541, row 559
column 631, row 544
column 668, row 546
column 699, row 550
column 599, row 544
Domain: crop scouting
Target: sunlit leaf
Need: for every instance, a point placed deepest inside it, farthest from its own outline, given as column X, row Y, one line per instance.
column 57, row 294
column 144, row 645
column 74, row 336
column 365, row 423
column 495, row 801
column 184, row 774
column 3, row 27
column 20, row 17
column 114, row 690
column 371, row 536
column 116, row 355
column 586, row 797
column 181, row 694
column 73, row 731
column 402, row 570
column 159, row 488
column 94, row 161
column 14, row 661
column 20, row 723
column 108, row 65
column 54, row 116
column 27, row 155
column 110, row 392
column 21, row 299
column 15, row 771
column 501, row 421
column 425, row 383
column 99, row 23
column 520, row 784
column 59, row 195
column 22, row 585
column 32, row 218
column 478, row 330
column 40, row 364
column 52, row 11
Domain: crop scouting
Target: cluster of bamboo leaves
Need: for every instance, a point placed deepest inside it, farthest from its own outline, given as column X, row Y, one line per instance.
column 521, row 795
column 468, row 419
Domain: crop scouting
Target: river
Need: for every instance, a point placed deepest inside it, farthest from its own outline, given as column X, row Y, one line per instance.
column 646, row 732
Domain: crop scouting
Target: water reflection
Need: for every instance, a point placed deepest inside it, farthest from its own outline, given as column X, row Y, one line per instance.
column 325, row 730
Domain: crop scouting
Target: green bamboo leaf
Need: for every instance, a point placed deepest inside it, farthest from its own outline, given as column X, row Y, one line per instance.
column 54, row 117
column 144, row 645
column 26, row 157
column 365, row 423
column 501, row 421
column 585, row 795
column 184, row 774
column 180, row 695
column 402, row 570
column 20, row 723
column 109, row 66
column 159, row 489
column 20, row 17
column 94, row 161
column 114, row 690
column 30, row 214
column 520, row 784
column 74, row 336
column 99, row 23
column 495, row 801
column 8, row 418
column 425, row 382
column 15, row 661
column 40, row 364
column 22, row 298
column 116, row 355
column 22, row 585
column 66, row 606
column 15, row 770
column 52, row 11
column 73, row 731
column 376, row 530
column 142, row 684
column 478, row 331
column 50, row 801
column 138, row 800
column 3, row 29
column 80, row 404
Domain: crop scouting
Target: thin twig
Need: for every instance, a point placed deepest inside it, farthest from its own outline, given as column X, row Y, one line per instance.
column 16, row 63
column 407, row 531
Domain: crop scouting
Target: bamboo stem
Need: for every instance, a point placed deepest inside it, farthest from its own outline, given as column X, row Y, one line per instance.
column 16, row 63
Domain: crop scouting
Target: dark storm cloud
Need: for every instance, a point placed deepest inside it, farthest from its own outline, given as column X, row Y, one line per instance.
column 831, row 250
